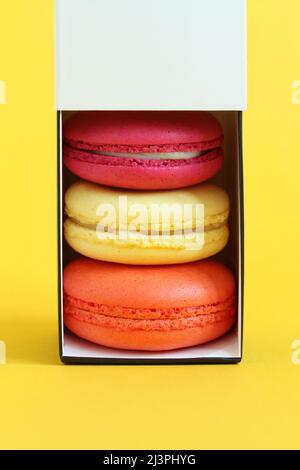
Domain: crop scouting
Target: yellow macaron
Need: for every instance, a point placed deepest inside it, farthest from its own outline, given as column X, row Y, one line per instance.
column 146, row 227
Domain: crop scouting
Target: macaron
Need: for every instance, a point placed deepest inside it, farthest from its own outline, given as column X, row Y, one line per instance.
column 146, row 227
column 143, row 149
column 151, row 308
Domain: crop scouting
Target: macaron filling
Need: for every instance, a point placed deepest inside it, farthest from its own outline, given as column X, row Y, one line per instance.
column 192, row 241
column 142, row 159
column 221, row 313
column 156, row 155
column 183, row 147
column 148, row 313
column 151, row 230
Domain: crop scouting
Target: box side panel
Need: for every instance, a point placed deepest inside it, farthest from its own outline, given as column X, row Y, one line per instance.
column 60, row 233
column 241, row 235
column 140, row 54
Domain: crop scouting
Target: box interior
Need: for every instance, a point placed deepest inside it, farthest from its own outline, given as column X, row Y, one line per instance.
column 75, row 349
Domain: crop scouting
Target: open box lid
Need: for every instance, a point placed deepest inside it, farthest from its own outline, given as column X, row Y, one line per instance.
column 158, row 54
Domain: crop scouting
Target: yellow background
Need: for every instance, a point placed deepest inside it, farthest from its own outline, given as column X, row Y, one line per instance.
column 44, row 404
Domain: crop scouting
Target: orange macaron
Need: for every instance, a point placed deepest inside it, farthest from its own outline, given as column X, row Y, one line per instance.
column 150, row 308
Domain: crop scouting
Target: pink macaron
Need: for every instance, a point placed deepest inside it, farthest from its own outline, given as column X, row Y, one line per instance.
column 143, row 149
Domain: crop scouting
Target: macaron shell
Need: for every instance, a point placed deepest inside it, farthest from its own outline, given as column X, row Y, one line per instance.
column 149, row 340
column 161, row 287
column 82, row 200
column 139, row 174
column 137, row 131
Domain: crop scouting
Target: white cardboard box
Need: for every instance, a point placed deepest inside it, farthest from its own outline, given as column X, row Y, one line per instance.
column 156, row 55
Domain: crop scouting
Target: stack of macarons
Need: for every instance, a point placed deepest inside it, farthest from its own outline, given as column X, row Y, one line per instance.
column 144, row 220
